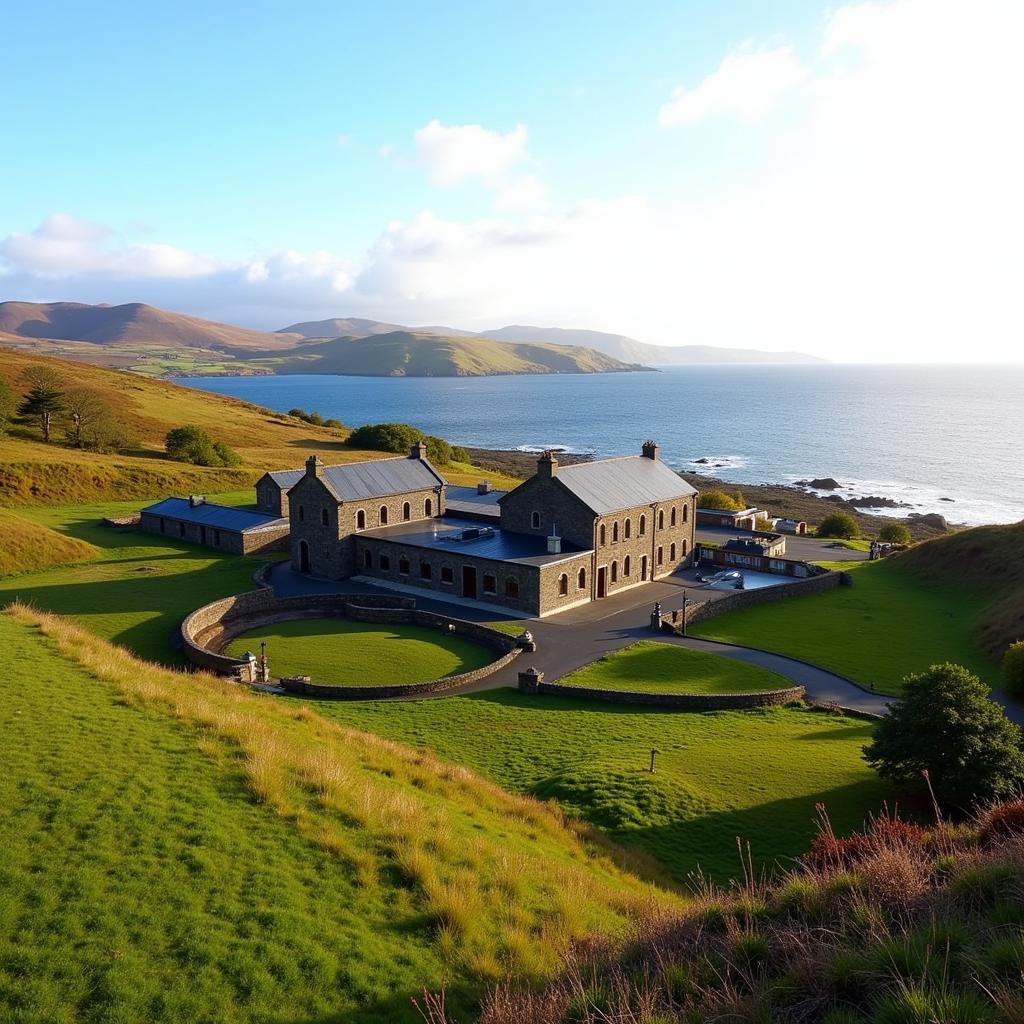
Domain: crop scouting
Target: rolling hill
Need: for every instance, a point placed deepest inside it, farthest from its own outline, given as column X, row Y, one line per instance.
column 410, row 354
column 134, row 325
column 631, row 351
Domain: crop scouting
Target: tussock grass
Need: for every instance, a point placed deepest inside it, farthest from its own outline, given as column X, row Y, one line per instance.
column 450, row 852
column 820, row 948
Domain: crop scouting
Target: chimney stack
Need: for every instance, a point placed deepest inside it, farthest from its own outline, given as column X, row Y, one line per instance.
column 547, row 465
column 194, row 500
column 650, row 450
column 484, row 487
column 419, row 450
column 314, row 467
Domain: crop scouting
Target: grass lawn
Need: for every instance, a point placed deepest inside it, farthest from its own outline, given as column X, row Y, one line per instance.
column 177, row 849
column 651, row 667
column 754, row 774
column 346, row 653
column 139, row 587
column 888, row 625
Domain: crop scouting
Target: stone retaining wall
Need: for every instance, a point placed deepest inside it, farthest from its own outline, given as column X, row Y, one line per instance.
column 680, row 701
column 738, row 599
column 207, row 630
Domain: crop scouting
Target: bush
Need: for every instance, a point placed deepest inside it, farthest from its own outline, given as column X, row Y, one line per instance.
column 719, row 500
column 839, row 524
column 1013, row 669
column 894, row 533
column 1001, row 820
column 947, row 726
column 193, row 444
column 399, row 438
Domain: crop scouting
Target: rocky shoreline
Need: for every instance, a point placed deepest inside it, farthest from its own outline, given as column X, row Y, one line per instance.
column 785, row 500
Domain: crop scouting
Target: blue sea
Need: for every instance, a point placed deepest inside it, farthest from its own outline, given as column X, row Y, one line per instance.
column 917, row 434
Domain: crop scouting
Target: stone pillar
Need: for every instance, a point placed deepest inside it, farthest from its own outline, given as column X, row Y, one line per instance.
column 530, row 680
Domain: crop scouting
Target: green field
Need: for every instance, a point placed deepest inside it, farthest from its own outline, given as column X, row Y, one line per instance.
column 347, row 653
column 754, row 774
column 175, row 848
column 651, row 667
column 888, row 625
column 140, row 586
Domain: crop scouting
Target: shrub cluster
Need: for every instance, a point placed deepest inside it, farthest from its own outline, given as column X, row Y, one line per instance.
column 717, row 499
column 400, row 437
column 316, row 419
column 840, row 525
column 894, row 533
column 193, row 444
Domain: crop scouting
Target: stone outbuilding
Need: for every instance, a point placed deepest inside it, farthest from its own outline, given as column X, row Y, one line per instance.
column 237, row 531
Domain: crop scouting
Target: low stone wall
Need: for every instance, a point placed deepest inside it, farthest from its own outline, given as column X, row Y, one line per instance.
column 530, row 683
column 738, row 599
column 207, row 630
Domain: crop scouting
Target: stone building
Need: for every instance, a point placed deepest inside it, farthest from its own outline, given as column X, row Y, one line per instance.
column 235, row 530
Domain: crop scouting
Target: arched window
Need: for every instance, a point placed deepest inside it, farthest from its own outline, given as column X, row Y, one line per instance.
column 684, row 549
column 361, row 520
column 581, row 580
column 385, row 563
column 302, row 514
column 512, row 587
column 627, row 529
column 601, row 535
column 661, row 519
column 672, row 517
column 686, row 513
column 428, row 508
column 615, row 533
column 323, row 516
column 406, row 512
column 672, row 553
column 563, row 585
column 403, row 566
column 643, row 526
column 625, row 566
column 535, row 520
column 615, row 571
column 661, row 556
column 383, row 515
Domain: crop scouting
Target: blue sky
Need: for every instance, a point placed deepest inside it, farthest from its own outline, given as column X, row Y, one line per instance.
column 468, row 162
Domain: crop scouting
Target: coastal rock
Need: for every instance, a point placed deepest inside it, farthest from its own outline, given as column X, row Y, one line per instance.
column 701, row 462
column 947, row 499
column 876, row 501
column 824, row 483
column 932, row 519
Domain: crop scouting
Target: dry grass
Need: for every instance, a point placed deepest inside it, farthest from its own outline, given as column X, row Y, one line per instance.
column 461, row 843
column 29, row 547
column 921, row 927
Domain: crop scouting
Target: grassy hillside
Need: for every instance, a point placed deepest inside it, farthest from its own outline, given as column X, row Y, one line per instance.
column 407, row 354
column 33, row 473
column 899, row 926
column 301, row 870
column 989, row 558
column 131, row 326
column 889, row 624
column 29, row 547
column 755, row 774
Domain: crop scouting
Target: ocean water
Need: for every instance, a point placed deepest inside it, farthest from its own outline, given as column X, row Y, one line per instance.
column 915, row 434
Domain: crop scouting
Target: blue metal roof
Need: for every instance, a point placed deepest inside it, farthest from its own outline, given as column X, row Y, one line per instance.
column 219, row 517
column 488, row 542
column 377, row 478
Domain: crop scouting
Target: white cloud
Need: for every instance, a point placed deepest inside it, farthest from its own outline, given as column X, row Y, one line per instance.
column 525, row 193
column 452, row 154
column 748, row 82
column 893, row 234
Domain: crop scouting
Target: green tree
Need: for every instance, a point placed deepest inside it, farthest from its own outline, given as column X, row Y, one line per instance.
column 45, row 397
column 8, row 405
column 83, row 410
column 1013, row 669
column 193, row 444
column 894, row 533
column 718, row 500
column 946, row 725
column 839, row 524
column 385, row 437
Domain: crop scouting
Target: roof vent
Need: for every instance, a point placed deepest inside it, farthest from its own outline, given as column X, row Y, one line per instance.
column 194, row 500
column 484, row 487
column 554, row 543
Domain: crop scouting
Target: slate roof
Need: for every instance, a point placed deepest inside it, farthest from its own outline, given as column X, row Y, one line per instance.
column 611, row 485
column 219, row 517
column 468, row 501
column 498, row 545
column 377, row 478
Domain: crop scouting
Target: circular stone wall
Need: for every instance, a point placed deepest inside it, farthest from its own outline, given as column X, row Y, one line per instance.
column 207, row 632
